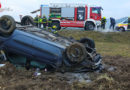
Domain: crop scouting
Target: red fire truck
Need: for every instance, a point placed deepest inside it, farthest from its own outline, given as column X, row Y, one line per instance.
column 72, row 15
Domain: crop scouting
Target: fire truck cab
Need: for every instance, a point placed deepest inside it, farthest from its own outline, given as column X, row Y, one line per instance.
column 72, row 15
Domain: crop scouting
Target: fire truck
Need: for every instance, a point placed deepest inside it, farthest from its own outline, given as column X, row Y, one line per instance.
column 72, row 15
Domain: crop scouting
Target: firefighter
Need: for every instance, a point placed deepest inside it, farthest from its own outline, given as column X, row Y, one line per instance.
column 36, row 20
column 44, row 21
column 49, row 22
column 113, row 22
column 54, row 30
column 103, row 22
column 39, row 21
column 50, row 27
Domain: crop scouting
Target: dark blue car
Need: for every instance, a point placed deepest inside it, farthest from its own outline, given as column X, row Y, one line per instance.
column 32, row 47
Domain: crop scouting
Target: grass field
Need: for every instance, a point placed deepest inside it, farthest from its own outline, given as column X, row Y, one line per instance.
column 114, row 43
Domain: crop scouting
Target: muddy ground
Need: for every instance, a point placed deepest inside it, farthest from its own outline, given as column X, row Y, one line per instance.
column 115, row 76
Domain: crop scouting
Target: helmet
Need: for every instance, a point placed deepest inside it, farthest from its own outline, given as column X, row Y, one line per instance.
column 104, row 17
column 54, row 27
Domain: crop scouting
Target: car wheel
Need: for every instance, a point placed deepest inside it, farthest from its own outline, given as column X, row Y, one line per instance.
column 27, row 20
column 121, row 29
column 56, row 26
column 89, row 26
column 76, row 52
column 87, row 42
column 7, row 25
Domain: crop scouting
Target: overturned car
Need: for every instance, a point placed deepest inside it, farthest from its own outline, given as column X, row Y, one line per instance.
column 29, row 46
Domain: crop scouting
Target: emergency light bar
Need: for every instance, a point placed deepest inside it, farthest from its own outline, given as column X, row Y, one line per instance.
column 66, row 5
column 58, row 5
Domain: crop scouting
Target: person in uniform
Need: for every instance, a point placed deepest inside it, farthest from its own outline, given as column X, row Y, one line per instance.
column 44, row 21
column 36, row 20
column 103, row 22
column 49, row 22
column 113, row 22
column 40, row 21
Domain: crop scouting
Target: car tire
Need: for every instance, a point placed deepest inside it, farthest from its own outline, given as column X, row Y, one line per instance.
column 87, row 42
column 57, row 25
column 76, row 52
column 7, row 25
column 89, row 26
column 121, row 29
column 27, row 20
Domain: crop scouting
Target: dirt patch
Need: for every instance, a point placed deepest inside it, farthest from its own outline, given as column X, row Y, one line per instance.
column 122, row 72
column 114, row 76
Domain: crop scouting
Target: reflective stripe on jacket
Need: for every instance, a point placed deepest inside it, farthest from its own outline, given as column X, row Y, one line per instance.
column 103, row 21
column 44, row 20
column 49, row 20
column 36, row 19
column 40, row 20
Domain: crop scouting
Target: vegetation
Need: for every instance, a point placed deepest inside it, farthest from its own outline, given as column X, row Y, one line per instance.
column 110, row 43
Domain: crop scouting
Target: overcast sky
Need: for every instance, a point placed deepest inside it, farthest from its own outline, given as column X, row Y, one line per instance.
column 114, row 8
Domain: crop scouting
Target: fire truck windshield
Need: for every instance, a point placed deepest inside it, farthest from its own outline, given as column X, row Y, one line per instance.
column 96, row 10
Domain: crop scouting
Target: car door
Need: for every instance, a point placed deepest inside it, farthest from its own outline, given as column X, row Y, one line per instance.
column 124, row 24
column 95, row 13
column 80, row 13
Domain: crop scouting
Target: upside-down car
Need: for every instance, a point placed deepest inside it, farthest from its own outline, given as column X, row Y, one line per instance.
column 29, row 46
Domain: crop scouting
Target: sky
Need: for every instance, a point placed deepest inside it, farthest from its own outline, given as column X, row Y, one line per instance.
column 111, row 8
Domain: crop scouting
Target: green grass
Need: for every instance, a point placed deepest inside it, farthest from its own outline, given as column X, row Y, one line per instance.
column 107, row 48
column 112, row 43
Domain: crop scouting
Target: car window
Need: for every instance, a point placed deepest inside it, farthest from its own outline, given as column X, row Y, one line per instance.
column 126, row 21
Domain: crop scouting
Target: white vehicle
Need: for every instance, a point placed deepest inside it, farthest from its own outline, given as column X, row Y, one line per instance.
column 123, row 26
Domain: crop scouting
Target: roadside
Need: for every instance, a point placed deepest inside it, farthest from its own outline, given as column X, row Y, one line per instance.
column 82, row 29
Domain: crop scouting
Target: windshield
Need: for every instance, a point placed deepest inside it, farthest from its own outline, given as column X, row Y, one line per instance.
column 126, row 21
column 96, row 10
